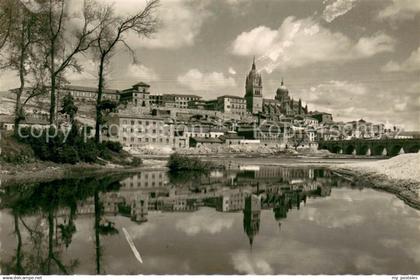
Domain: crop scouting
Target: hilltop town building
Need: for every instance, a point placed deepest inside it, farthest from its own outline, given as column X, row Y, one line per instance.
column 231, row 104
column 138, row 95
column 178, row 100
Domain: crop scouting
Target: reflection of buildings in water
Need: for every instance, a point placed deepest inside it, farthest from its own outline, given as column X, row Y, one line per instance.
column 284, row 173
column 232, row 200
column 145, row 180
column 177, row 204
column 281, row 204
column 133, row 205
column 139, row 209
column 251, row 222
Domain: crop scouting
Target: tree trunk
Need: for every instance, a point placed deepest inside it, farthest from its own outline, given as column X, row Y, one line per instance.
column 99, row 100
column 50, row 239
column 53, row 83
column 18, row 111
column 53, row 100
column 19, row 269
column 18, row 106
column 97, row 235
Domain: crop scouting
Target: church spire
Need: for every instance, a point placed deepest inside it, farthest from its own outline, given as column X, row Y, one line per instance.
column 253, row 64
column 282, row 81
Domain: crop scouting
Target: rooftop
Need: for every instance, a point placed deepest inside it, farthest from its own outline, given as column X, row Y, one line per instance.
column 207, row 140
column 141, row 84
column 230, row 96
column 183, row 95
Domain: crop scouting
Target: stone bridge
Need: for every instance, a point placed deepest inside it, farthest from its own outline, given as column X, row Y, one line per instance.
column 377, row 147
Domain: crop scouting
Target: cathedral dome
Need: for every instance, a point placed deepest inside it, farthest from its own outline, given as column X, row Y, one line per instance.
column 282, row 90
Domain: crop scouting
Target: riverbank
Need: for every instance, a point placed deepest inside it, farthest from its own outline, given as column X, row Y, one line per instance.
column 399, row 175
column 40, row 171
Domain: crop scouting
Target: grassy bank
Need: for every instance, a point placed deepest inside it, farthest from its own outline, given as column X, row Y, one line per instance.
column 30, row 160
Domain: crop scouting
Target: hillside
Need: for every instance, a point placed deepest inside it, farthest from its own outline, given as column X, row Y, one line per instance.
column 85, row 114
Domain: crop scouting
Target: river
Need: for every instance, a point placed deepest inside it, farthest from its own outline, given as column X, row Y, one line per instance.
column 250, row 219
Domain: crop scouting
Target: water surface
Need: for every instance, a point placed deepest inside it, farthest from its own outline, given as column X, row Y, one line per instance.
column 251, row 220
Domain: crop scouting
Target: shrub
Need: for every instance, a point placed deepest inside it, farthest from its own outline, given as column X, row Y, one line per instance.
column 113, row 146
column 179, row 162
column 136, row 162
column 67, row 154
column 74, row 150
column 88, row 151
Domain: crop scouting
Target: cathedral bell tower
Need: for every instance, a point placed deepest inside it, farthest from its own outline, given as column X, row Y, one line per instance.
column 253, row 91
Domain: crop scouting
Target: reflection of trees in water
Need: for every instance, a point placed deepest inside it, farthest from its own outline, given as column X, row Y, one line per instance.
column 37, row 208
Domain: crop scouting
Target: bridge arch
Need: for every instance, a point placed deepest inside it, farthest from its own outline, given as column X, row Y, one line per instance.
column 335, row 149
column 349, row 149
column 324, row 147
column 363, row 150
column 413, row 148
column 395, row 150
column 380, row 150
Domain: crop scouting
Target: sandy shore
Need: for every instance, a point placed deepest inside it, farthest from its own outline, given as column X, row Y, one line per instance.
column 399, row 175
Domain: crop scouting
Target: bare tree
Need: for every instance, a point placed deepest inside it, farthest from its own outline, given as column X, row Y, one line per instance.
column 110, row 34
column 6, row 17
column 23, row 35
column 61, row 48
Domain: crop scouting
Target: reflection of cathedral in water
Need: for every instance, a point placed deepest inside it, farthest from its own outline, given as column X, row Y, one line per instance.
column 252, row 212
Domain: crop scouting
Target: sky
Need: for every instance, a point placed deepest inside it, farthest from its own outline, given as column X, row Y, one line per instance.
column 352, row 58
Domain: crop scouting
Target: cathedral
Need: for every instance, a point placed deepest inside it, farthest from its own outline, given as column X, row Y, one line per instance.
column 288, row 106
column 283, row 104
column 253, row 91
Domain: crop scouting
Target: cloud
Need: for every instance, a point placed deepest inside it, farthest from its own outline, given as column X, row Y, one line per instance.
column 141, row 72
column 239, row 7
column 299, row 42
column 89, row 70
column 232, row 71
column 348, row 100
column 196, row 80
column 400, row 10
column 198, row 223
column 244, row 263
column 337, row 8
column 411, row 64
column 180, row 24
